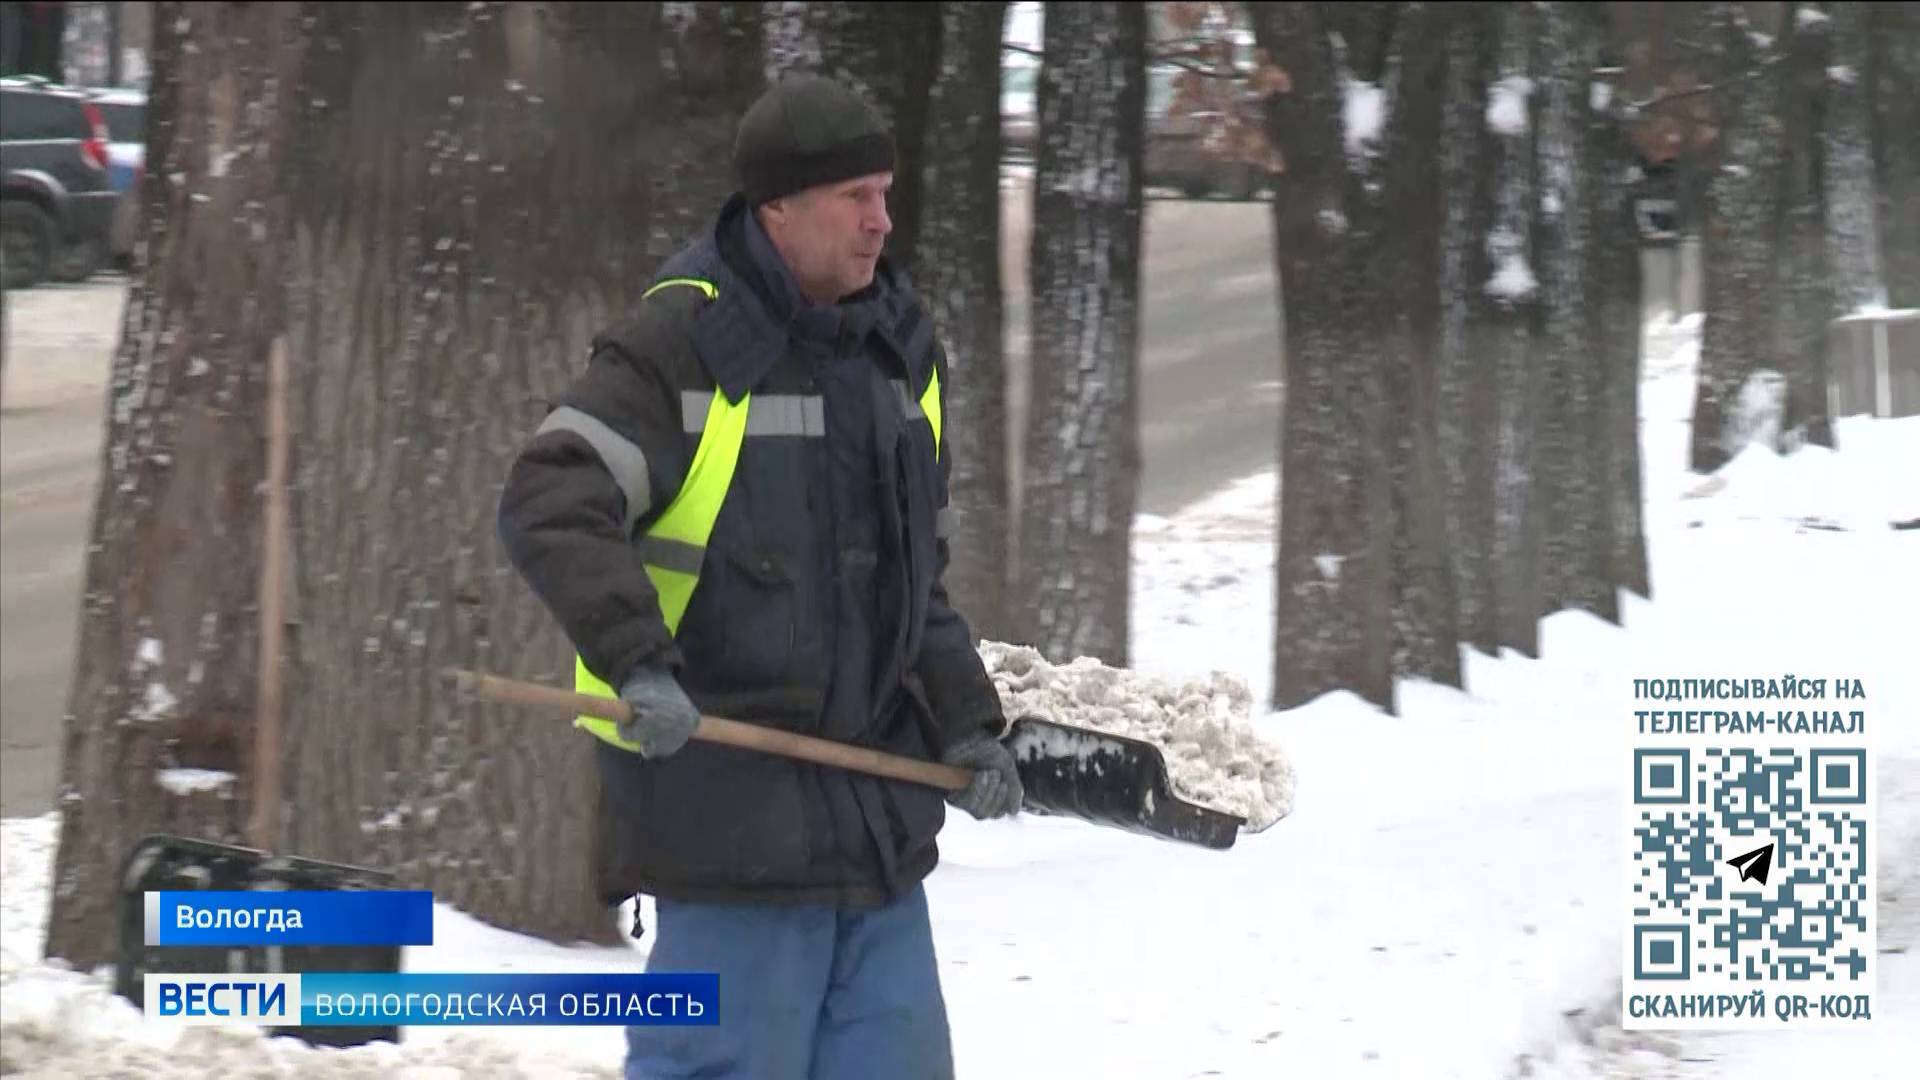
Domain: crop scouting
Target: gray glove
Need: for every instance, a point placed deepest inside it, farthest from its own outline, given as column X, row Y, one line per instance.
column 663, row 716
column 996, row 790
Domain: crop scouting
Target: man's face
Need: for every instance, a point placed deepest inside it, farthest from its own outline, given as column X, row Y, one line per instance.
column 831, row 235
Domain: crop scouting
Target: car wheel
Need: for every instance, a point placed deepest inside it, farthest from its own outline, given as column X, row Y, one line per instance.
column 78, row 261
column 26, row 244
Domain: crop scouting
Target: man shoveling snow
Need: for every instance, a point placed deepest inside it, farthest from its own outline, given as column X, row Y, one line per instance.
column 700, row 515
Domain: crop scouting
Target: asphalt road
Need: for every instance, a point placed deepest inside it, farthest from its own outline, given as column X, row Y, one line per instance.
column 1210, row 399
column 60, row 341
column 1210, row 344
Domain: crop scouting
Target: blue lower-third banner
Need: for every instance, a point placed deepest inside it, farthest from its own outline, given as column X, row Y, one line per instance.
column 292, row 917
column 354, row 999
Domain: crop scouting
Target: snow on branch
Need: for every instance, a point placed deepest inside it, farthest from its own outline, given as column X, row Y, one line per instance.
column 1363, row 111
column 1507, row 105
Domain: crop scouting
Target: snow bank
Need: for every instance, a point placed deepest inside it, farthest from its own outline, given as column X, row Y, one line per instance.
column 61, row 1025
column 192, row 781
column 57, row 1023
column 1202, row 726
column 1513, row 280
column 1864, row 486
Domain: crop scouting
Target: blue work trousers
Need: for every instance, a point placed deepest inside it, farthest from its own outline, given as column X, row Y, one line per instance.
column 811, row 992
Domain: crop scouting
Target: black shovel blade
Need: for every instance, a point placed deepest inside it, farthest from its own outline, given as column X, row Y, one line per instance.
column 164, row 863
column 1110, row 780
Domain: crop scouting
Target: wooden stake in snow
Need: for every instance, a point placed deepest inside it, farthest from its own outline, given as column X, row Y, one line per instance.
column 262, row 829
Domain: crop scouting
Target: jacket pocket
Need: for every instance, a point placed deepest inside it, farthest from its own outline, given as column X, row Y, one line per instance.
column 759, row 602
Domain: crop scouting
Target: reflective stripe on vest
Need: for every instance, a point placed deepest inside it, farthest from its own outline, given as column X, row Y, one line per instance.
column 927, row 406
column 930, row 404
column 675, row 544
column 697, row 283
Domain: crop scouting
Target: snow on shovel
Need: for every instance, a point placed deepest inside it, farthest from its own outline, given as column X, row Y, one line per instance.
column 1110, row 780
column 1075, row 772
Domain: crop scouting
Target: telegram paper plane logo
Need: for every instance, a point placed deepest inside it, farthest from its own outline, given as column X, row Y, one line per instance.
column 1753, row 865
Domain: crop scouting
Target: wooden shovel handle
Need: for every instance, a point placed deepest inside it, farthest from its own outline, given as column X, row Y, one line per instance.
column 715, row 729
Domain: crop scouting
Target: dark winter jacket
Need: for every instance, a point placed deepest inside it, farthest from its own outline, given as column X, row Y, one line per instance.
column 819, row 608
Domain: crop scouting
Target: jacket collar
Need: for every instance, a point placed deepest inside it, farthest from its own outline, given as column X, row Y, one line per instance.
column 760, row 308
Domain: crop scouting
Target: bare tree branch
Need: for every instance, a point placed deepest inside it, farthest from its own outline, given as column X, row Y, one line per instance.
column 1198, row 70
column 1677, row 95
column 1661, row 99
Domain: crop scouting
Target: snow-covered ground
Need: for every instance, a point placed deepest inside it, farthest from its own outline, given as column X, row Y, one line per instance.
column 1444, row 898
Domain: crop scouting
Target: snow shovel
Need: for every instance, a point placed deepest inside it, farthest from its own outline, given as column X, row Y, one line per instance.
column 1067, row 771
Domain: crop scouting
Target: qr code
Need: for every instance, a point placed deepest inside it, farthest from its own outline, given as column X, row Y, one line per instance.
column 1750, row 864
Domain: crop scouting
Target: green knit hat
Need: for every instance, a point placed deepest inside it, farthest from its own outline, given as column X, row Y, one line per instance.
column 805, row 131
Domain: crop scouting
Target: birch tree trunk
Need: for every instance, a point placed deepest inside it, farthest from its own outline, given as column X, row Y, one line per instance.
column 1333, row 583
column 1082, row 449
column 160, row 724
column 959, row 278
column 1740, row 346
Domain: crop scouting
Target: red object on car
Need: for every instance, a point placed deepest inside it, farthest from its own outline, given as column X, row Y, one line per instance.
column 94, row 148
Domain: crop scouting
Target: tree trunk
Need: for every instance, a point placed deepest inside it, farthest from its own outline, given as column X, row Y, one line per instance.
column 1509, row 306
column 1615, row 335
column 83, row 44
column 1893, row 53
column 1083, row 450
column 1573, row 450
column 42, row 41
column 482, row 190
column 160, row 727
column 959, row 278
column 1740, row 383
column 1853, row 234
column 884, row 50
column 1810, row 294
column 115, row 65
column 1426, row 642
column 426, row 201
column 1333, row 587
column 1466, row 370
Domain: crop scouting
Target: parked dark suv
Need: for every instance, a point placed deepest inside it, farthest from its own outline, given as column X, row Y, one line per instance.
column 57, row 201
